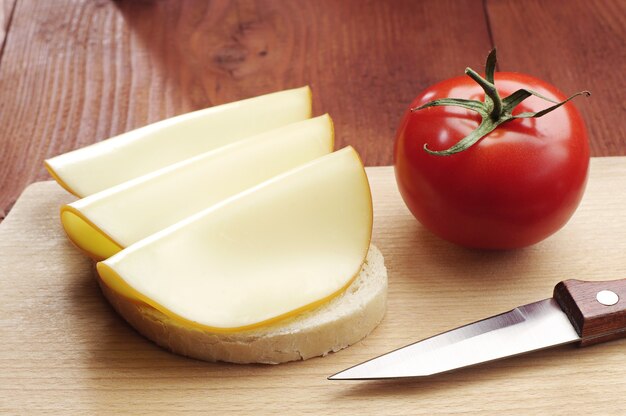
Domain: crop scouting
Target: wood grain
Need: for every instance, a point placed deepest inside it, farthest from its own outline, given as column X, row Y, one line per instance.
column 576, row 45
column 64, row 351
column 78, row 71
column 594, row 321
column 6, row 13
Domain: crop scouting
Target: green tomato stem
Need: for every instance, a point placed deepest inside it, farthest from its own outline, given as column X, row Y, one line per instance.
column 494, row 110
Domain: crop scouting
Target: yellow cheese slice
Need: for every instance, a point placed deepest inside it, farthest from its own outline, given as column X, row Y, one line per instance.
column 107, row 163
column 272, row 251
column 103, row 223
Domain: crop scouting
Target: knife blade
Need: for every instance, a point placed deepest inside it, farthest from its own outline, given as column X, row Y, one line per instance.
column 579, row 311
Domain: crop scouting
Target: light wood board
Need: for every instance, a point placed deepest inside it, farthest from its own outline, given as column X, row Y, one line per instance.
column 64, row 351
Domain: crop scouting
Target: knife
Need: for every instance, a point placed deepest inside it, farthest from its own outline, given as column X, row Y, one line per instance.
column 583, row 312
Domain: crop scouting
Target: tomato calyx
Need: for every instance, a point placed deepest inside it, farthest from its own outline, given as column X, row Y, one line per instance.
column 494, row 110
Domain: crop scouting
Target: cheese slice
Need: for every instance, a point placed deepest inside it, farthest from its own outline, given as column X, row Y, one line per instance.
column 270, row 252
column 107, row 163
column 103, row 223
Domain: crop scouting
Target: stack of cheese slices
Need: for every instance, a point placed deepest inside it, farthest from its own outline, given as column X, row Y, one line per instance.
column 233, row 233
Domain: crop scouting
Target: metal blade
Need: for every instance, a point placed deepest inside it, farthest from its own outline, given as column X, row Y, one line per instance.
column 527, row 328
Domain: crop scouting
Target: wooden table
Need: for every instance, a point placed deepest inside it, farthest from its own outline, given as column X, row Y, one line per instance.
column 73, row 72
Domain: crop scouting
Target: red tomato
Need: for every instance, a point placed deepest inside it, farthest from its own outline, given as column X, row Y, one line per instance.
column 514, row 187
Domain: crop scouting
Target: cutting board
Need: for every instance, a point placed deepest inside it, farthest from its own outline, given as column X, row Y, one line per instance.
column 65, row 351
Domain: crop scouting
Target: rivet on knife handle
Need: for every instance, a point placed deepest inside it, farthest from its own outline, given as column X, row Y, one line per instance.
column 597, row 310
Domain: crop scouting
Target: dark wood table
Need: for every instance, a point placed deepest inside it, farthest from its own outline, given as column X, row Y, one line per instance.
column 73, row 72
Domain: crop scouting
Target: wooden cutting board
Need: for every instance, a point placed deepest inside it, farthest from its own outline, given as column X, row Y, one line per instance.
column 63, row 349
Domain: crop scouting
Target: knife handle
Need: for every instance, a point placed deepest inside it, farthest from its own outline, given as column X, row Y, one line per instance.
column 596, row 309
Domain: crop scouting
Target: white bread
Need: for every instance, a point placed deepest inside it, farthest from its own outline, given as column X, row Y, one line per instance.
column 337, row 324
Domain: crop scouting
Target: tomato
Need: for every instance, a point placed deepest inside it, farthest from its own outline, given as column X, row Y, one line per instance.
column 514, row 187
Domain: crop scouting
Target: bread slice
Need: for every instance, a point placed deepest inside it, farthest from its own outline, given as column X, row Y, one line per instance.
column 337, row 324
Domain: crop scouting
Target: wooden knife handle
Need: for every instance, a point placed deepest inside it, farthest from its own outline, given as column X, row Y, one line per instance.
column 594, row 316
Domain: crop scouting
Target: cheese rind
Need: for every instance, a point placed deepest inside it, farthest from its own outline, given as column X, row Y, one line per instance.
column 107, row 163
column 270, row 252
column 86, row 236
column 133, row 210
